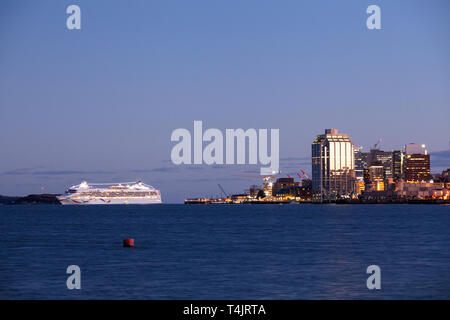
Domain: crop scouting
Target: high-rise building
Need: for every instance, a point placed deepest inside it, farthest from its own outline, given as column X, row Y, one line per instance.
column 417, row 163
column 397, row 164
column 333, row 166
column 383, row 157
column 361, row 163
column 417, row 167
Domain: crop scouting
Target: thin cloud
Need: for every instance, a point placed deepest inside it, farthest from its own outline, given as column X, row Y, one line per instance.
column 25, row 171
column 440, row 159
column 142, row 170
column 165, row 169
column 295, row 159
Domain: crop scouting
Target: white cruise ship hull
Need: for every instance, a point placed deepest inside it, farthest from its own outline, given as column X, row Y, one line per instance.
column 105, row 201
column 107, row 193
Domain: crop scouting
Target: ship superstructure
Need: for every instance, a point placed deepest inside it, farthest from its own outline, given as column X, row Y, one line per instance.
column 111, row 193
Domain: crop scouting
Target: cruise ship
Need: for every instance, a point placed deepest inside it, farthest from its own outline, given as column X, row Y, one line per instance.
column 111, row 193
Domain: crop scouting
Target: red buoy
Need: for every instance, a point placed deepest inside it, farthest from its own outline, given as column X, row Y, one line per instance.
column 128, row 242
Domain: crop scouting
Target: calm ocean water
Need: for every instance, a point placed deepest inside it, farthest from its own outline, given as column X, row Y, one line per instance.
column 225, row 251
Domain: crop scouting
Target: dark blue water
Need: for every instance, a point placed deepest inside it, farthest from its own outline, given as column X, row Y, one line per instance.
column 225, row 251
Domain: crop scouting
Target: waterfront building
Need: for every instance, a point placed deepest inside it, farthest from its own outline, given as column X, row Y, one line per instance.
column 283, row 184
column 374, row 177
column 361, row 163
column 254, row 190
column 377, row 176
column 359, row 186
column 267, row 188
column 417, row 167
column 446, row 178
column 442, row 194
column 421, row 190
column 290, row 190
column 446, row 174
column 397, row 164
column 333, row 166
column 416, row 163
column 303, row 192
column 239, row 198
column 383, row 157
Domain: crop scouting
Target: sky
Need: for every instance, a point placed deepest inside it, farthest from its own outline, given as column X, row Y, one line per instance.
column 100, row 103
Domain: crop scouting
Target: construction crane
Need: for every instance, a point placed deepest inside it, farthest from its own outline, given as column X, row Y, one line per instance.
column 223, row 191
column 304, row 173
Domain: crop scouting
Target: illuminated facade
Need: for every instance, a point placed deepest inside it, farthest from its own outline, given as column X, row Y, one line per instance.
column 383, row 157
column 416, row 163
column 283, row 184
column 422, row 190
column 361, row 163
column 377, row 174
column 333, row 166
column 398, row 164
column 417, row 167
column 360, row 185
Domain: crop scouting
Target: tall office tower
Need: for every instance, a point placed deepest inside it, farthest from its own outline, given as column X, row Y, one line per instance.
column 333, row 166
column 417, row 163
column 361, row 163
column 397, row 164
column 385, row 157
column 417, row 167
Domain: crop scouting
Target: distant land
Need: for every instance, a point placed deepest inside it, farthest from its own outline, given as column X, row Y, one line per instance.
column 30, row 199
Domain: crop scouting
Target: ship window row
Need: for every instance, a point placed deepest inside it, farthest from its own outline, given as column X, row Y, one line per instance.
column 118, row 194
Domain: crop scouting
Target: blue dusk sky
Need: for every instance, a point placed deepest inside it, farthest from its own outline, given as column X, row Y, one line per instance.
column 100, row 103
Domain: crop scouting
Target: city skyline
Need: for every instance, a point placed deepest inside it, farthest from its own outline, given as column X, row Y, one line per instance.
column 234, row 174
column 99, row 104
